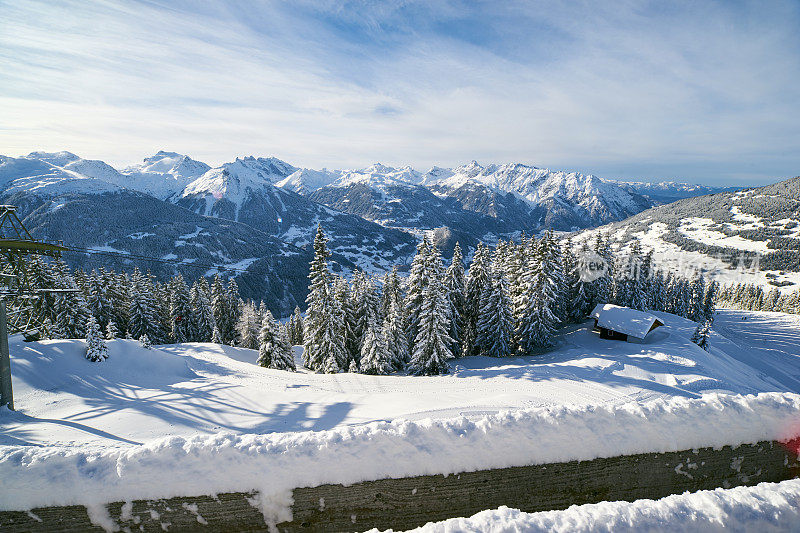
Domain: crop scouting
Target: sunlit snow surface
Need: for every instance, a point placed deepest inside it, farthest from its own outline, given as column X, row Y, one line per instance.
column 191, row 389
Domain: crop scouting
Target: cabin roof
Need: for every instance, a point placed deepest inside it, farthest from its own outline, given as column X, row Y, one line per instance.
column 625, row 320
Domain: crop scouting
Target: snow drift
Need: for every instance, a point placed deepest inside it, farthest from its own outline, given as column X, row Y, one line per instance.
column 765, row 507
column 277, row 463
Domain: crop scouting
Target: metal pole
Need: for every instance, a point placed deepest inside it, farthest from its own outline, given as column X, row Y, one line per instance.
column 6, row 394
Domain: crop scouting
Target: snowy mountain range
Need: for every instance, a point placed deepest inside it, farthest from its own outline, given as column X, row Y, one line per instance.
column 373, row 216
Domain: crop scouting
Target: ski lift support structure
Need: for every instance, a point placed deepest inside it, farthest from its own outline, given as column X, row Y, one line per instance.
column 16, row 243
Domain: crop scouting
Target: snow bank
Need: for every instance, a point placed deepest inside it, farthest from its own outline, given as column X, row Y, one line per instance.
column 275, row 464
column 767, row 507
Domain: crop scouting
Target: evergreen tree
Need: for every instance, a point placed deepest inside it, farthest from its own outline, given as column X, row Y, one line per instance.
column 417, row 281
column 180, row 311
column 394, row 332
column 295, row 329
column 216, row 338
column 235, row 310
column 97, row 299
column 144, row 340
column 283, row 356
column 202, row 316
column 432, row 343
column 323, row 337
column 477, row 281
column 96, row 349
column 701, row 334
column 708, row 307
column 346, row 308
column 535, row 330
column 248, row 327
column 111, row 330
column 375, row 357
column 495, row 326
column 142, row 313
column 220, row 308
column 267, row 344
column 392, row 292
column 71, row 312
column 455, row 285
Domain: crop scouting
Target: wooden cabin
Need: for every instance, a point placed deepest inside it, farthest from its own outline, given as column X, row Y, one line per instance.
column 623, row 323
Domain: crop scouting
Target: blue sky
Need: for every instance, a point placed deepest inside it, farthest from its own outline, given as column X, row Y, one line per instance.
column 694, row 91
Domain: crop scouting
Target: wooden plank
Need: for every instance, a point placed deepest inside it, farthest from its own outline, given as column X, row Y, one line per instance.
column 411, row 502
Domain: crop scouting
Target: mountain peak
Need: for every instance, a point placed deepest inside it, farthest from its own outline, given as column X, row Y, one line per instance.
column 58, row 159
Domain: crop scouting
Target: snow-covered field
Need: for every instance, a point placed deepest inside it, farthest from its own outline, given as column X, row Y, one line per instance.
column 189, row 389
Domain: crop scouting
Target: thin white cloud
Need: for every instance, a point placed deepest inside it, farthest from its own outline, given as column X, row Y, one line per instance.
column 700, row 91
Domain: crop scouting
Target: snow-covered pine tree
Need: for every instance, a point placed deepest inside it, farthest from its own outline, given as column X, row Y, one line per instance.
column 392, row 291
column 324, row 324
column 162, row 296
column 455, row 284
column 708, row 308
column 235, row 310
column 394, row 333
column 602, row 286
column 97, row 299
column 432, row 343
column 111, row 331
column 417, row 281
column 344, row 301
column 180, row 311
column 96, row 349
column 283, row 355
column 697, row 293
column 71, row 312
column 536, row 329
column 366, row 307
column 216, row 338
column 701, row 334
column 657, row 292
column 375, row 357
column 248, row 327
column 353, row 368
column 143, row 318
column 477, row 281
column 221, row 310
column 495, row 325
column 266, row 340
column 144, row 340
column 118, row 292
column 202, row 315
column 295, row 329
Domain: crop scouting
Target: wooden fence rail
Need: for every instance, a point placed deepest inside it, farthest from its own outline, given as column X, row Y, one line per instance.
column 410, row 502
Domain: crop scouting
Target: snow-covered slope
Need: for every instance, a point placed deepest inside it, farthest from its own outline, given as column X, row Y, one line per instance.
column 750, row 235
column 582, row 370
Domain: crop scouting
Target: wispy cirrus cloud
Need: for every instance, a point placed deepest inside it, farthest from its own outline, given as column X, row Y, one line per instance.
column 696, row 91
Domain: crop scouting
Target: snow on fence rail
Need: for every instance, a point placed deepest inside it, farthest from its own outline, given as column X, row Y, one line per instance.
column 273, row 471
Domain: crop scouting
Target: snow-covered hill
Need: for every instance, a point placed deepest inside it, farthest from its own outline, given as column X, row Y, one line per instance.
column 197, row 388
column 750, row 235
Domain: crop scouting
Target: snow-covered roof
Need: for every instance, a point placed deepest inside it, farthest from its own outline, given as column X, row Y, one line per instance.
column 625, row 320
